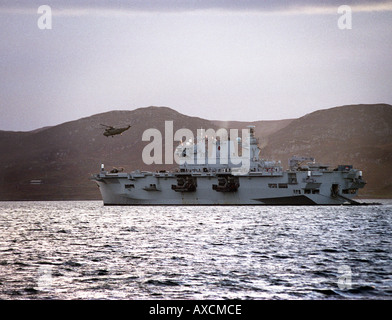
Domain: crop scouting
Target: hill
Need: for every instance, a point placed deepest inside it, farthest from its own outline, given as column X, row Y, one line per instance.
column 360, row 135
column 54, row 163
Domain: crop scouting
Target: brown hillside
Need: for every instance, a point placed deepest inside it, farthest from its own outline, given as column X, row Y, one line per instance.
column 360, row 135
column 64, row 156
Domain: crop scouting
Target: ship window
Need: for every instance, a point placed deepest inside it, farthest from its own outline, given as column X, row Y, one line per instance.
column 349, row 191
column 316, row 191
column 129, row 186
column 272, row 185
column 283, row 185
column 297, row 191
column 307, row 191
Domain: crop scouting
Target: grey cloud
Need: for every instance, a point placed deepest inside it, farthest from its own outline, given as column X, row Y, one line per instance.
column 190, row 5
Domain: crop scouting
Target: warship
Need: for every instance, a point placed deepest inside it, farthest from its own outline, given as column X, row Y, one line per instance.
column 223, row 179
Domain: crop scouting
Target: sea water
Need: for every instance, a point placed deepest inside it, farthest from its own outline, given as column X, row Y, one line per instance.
column 84, row 250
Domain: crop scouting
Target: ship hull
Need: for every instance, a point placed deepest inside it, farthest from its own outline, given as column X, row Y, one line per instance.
column 285, row 188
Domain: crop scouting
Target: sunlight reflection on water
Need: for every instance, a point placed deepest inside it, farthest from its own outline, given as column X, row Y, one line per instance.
column 83, row 250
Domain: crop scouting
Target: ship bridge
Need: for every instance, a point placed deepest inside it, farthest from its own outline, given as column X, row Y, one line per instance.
column 223, row 154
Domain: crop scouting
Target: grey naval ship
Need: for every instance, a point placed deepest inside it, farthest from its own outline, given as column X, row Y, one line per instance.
column 200, row 181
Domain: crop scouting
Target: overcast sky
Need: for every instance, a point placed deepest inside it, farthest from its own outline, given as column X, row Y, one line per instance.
column 216, row 59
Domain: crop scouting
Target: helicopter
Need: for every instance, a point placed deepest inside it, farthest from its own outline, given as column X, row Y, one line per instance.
column 111, row 131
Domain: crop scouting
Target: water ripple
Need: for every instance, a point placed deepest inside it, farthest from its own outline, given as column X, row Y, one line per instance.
column 82, row 250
